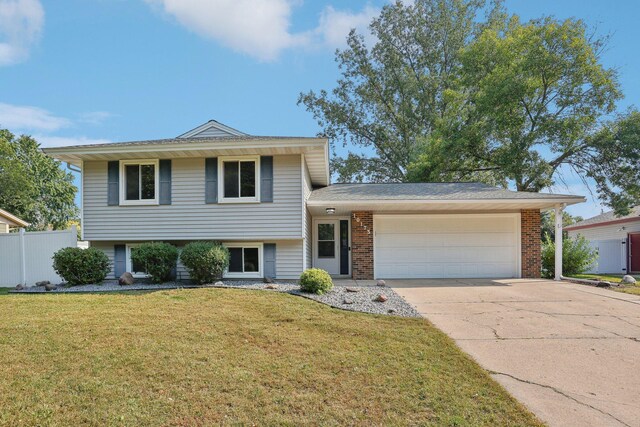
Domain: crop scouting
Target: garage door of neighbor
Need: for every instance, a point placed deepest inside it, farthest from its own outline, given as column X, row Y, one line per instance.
column 441, row 246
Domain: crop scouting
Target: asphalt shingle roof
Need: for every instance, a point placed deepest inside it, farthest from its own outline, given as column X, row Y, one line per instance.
column 186, row 141
column 423, row 191
column 606, row 217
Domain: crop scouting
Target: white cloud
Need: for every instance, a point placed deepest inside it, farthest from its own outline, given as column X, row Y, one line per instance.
column 261, row 28
column 21, row 117
column 335, row 25
column 95, row 117
column 21, row 23
column 64, row 141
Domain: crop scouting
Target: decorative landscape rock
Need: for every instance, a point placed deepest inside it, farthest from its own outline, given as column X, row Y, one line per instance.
column 381, row 283
column 268, row 279
column 126, row 279
column 271, row 286
column 218, row 283
column 381, row 298
column 19, row 287
column 49, row 287
column 347, row 301
column 43, row 283
column 603, row 284
column 628, row 280
column 348, row 289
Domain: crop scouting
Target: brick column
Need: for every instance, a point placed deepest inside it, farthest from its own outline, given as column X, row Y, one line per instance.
column 530, row 243
column 362, row 245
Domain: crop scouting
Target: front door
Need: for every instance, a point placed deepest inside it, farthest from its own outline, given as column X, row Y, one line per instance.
column 634, row 253
column 331, row 246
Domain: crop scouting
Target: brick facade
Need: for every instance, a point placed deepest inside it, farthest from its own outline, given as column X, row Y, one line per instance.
column 362, row 245
column 530, row 243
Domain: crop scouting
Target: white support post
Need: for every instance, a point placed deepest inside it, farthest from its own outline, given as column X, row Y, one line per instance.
column 558, row 232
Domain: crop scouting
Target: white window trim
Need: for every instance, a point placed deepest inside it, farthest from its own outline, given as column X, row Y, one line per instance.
column 123, row 184
column 251, row 274
column 221, row 198
column 129, row 264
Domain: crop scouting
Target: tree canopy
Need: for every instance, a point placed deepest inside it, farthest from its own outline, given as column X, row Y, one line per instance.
column 32, row 184
column 460, row 90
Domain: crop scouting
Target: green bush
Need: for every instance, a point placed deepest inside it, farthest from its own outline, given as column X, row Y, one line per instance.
column 157, row 259
column 81, row 266
column 577, row 256
column 205, row 261
column 316, row 281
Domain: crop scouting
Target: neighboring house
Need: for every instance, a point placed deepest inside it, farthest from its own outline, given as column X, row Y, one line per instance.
column 269, row 200
column 617, row 240
column 9, row 221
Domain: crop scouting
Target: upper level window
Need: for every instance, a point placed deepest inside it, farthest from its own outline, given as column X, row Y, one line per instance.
column 239, row 179
column 139, row 180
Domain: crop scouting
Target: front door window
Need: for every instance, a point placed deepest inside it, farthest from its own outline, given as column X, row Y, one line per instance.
column 326, row 241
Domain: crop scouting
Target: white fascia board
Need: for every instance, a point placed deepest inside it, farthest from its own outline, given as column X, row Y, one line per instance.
column 572, row 200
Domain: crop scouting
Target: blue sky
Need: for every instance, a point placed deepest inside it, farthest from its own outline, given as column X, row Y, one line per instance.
column 83, row 71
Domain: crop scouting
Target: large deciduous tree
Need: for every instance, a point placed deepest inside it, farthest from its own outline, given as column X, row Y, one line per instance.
column 446, row 93
column 33, row 186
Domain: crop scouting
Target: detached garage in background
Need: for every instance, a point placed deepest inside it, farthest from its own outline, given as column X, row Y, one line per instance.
column 617, row 240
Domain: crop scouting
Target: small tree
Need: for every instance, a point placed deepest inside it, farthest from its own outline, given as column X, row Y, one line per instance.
column 577, row 256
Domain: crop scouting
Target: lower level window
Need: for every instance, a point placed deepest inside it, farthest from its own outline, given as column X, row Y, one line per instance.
column 135, row 269
column 244, row 260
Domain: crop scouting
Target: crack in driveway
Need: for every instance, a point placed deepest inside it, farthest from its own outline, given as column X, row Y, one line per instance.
column 560, row 392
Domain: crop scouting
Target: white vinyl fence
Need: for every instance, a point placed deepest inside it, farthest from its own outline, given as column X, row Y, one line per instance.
column 25, row 257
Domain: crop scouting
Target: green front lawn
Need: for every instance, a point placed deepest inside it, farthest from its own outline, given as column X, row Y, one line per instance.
column 224, row 356
column 613, row 278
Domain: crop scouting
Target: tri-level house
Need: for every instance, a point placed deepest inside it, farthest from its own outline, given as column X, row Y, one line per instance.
column 270, row 200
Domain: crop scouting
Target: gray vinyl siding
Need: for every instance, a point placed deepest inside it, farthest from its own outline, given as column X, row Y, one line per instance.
column 189, row 217
column 289, row 255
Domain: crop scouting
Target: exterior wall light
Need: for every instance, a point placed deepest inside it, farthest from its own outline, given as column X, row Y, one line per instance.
column 331, row 211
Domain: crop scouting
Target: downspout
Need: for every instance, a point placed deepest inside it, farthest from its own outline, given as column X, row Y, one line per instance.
column 79, row 171
column 71, row 168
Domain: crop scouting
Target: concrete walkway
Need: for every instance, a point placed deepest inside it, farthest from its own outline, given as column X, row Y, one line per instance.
column 570, row 353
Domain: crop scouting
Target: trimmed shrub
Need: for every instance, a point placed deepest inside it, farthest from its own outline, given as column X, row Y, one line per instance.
column 316, row 281
column 577, row 256
column 205, row 261
column 81, row 266
column 157, row 259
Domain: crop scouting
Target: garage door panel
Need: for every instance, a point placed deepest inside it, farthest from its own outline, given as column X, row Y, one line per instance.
column 447, row 246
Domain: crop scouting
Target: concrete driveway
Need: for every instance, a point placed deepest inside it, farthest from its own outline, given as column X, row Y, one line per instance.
column 570, row 353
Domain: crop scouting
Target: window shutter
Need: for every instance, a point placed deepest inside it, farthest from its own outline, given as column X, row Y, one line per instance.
column 269, row 254
column 211, row 180
column 119, row 260
column 165, row 182
column 113, row 183
column 266, row 179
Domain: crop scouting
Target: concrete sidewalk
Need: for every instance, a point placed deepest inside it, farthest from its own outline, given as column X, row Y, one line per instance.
column 570, row 353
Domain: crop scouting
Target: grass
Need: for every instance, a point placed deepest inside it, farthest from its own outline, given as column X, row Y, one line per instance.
column 614, row 278
column 224, row 356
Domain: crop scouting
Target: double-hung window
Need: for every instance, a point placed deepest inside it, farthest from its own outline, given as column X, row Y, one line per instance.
column 239, row 179
column 139, row 182
column 245, row 260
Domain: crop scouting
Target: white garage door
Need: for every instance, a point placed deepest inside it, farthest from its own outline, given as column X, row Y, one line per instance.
column 440, row 246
